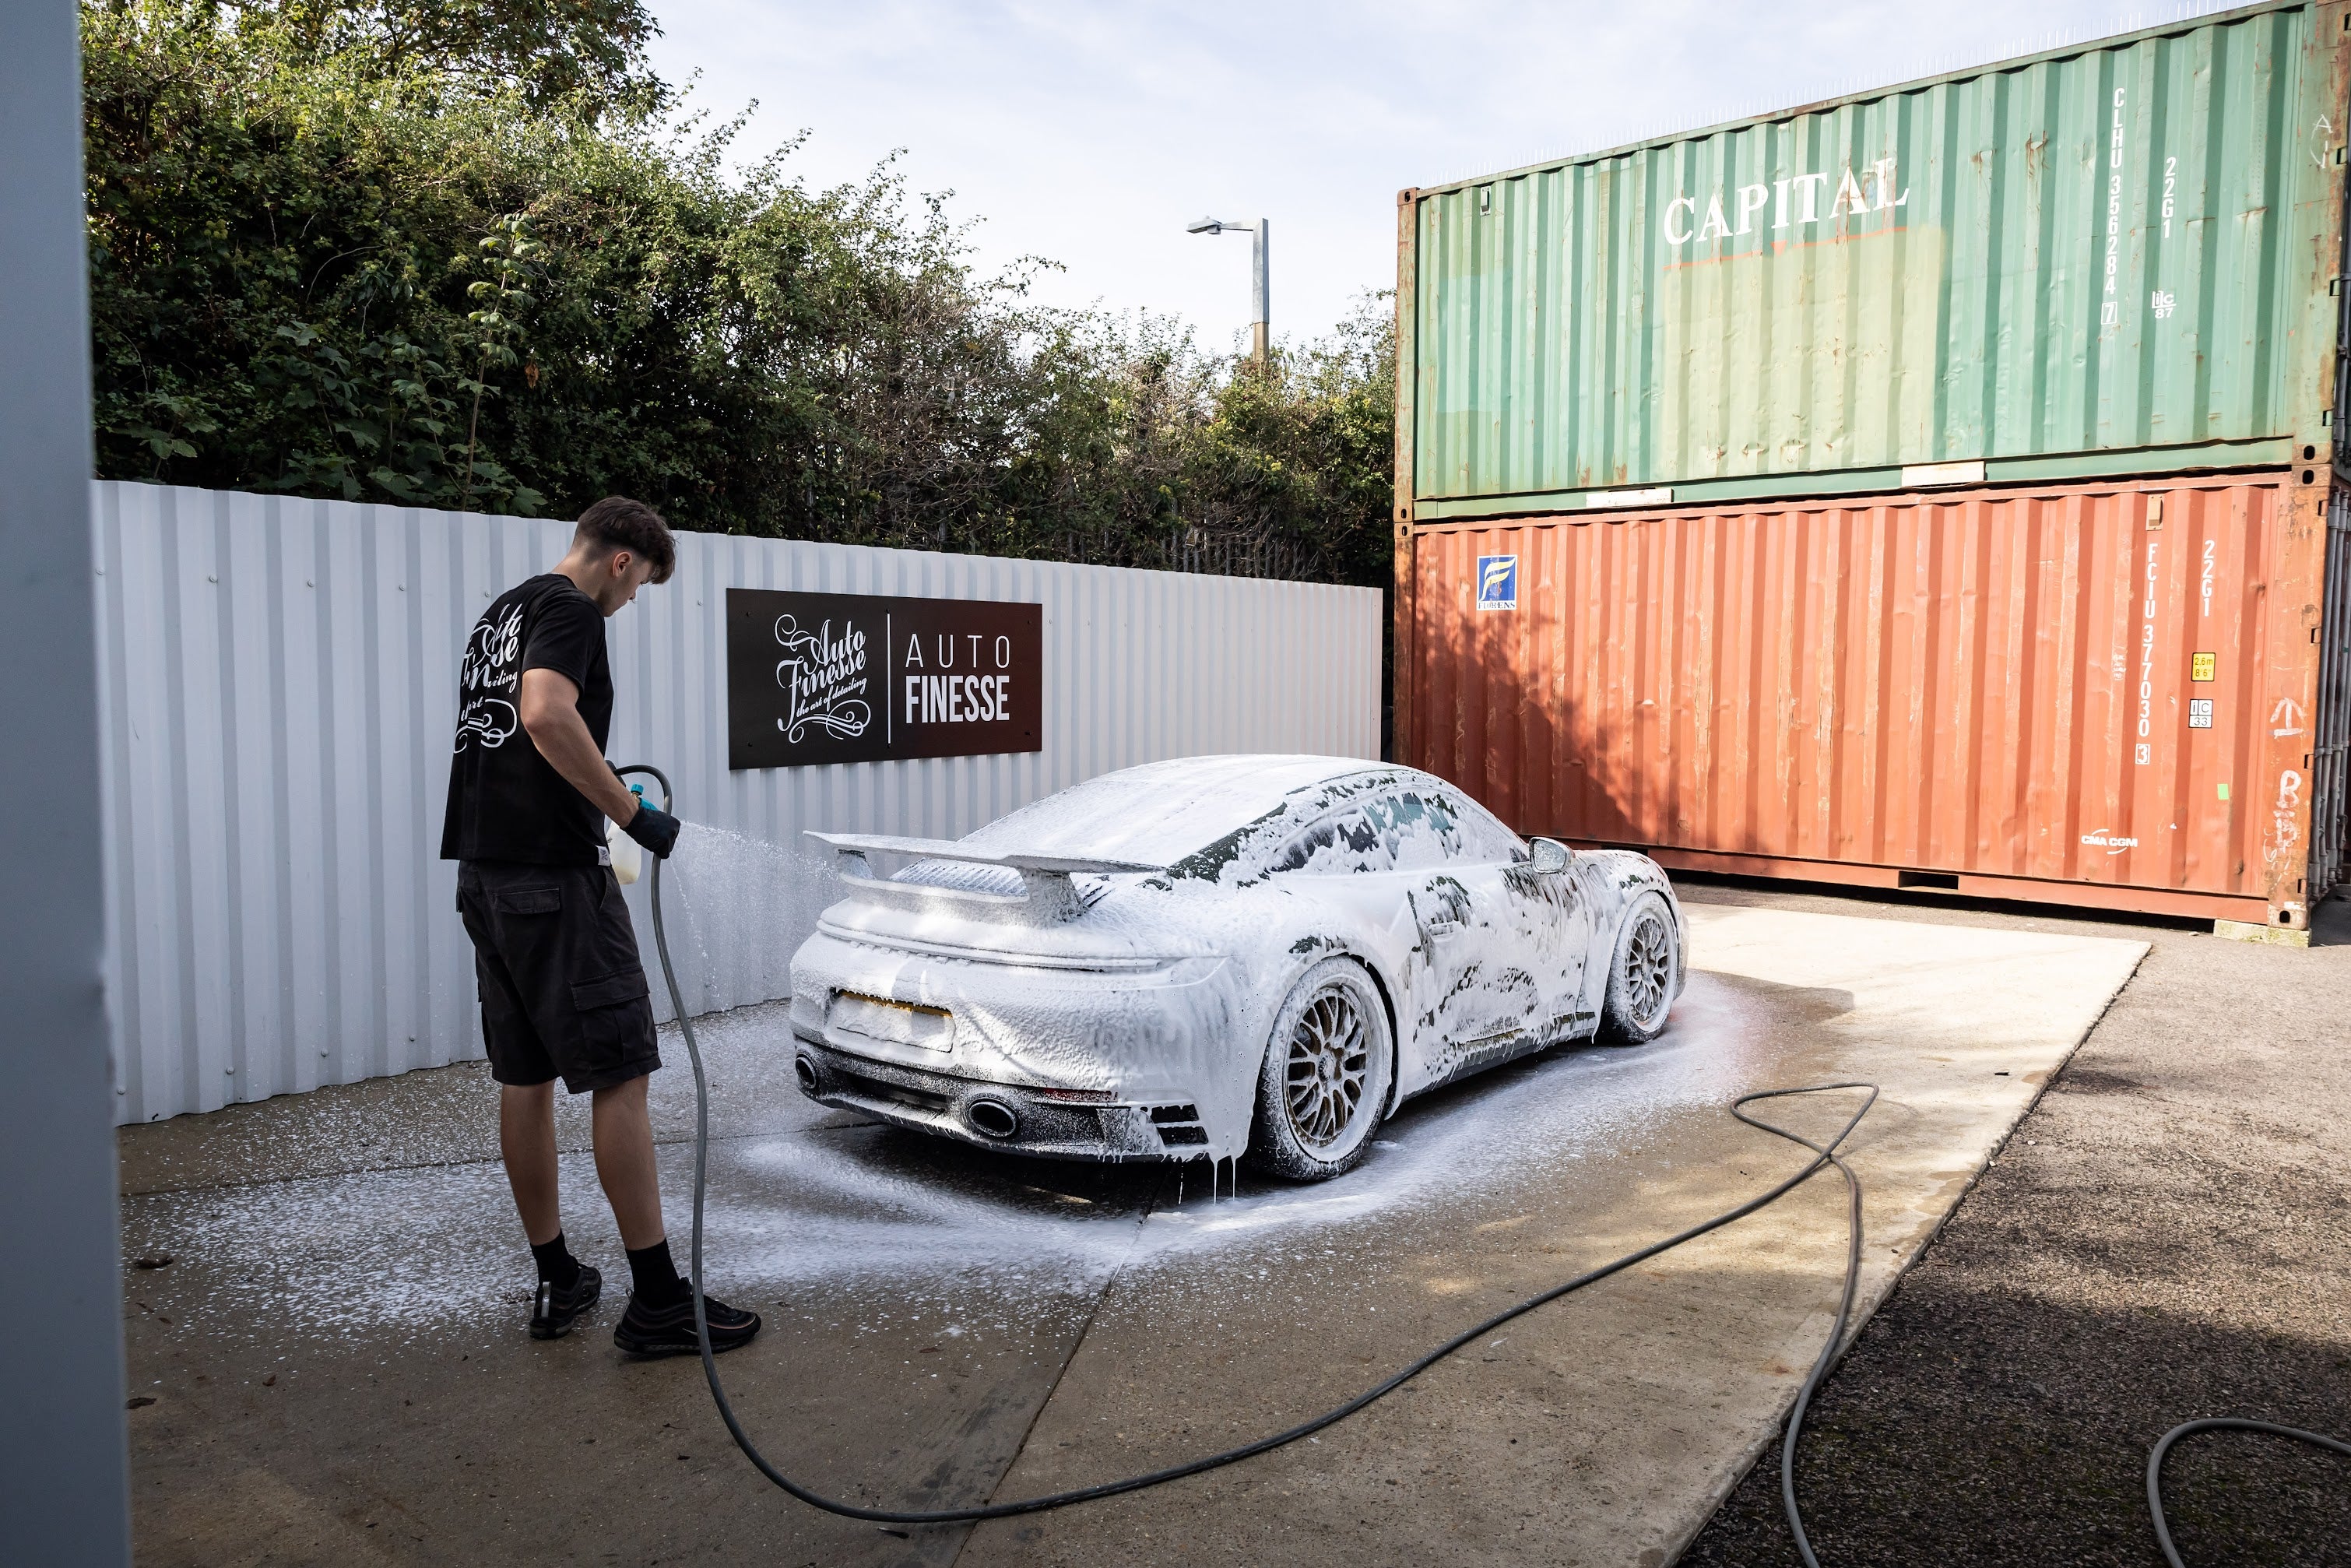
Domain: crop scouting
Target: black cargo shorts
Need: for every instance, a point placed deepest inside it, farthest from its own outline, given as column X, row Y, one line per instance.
column 563, row 993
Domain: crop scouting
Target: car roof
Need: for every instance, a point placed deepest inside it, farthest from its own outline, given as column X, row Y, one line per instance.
column 1162, row 811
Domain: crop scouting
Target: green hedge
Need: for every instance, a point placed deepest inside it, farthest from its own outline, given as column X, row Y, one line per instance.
column 470, row 253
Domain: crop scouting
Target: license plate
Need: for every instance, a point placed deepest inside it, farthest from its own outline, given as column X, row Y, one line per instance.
column 901, row 1023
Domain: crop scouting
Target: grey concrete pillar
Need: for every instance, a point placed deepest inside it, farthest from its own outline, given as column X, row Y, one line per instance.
column 64, row 1497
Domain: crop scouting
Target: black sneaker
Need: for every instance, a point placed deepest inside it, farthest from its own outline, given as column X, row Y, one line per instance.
column 554, row 1310
column 669, row 1330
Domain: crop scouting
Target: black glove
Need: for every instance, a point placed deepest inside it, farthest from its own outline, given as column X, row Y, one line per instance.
column 655, row 829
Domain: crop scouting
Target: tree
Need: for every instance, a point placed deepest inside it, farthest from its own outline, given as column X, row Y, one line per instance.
column 553, row 51
column 471, row 255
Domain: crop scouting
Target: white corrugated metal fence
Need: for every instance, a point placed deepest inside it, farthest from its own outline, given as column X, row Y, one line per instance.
column 279, row 689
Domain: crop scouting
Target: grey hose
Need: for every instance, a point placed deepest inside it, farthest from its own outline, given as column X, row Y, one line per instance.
column 2211, row 1424
column 1828, row 1346
column 1824, row 1154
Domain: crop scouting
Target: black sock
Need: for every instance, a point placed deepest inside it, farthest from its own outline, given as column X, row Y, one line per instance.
column 556, row 1266
column 655, row 1277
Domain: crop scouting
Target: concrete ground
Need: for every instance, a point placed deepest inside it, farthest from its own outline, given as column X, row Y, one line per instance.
column 325, row 1297
column 2169, row 1237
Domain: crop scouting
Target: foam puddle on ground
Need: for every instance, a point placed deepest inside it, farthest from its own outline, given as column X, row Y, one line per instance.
column 881, row 1222
column 1509, row 1131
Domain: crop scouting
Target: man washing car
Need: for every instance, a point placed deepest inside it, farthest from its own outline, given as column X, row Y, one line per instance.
column 563, row 993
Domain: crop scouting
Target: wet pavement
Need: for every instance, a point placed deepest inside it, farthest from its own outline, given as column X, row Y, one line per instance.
column 338, row 1372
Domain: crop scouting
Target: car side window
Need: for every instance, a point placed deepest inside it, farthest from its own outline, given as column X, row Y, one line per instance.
column 1423, row 831
column 1373, row 821
column 1480, row 836
column 1405, row 831
column 1343, row 842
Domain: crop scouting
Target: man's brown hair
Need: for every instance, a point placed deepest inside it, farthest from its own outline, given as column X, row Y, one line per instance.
column 617, row 523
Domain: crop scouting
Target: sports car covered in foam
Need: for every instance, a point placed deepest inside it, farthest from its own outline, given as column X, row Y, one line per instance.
column 1218, row 956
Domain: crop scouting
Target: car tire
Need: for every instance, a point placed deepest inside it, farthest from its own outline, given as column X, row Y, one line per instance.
column 1324, row 1084
column 1644, row 974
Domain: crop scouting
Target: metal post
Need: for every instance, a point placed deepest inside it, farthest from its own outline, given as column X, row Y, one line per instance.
column 1257, row 316
column 64, row 1489
column 1403, row 645
column 1260, row 235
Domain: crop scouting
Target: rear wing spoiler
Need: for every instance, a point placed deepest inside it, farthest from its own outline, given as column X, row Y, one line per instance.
column 1046, row 898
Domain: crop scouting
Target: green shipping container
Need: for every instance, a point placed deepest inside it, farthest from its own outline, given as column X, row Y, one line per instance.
column 2113, row 258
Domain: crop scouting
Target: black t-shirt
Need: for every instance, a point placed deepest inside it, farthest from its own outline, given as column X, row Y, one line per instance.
column 506, row 801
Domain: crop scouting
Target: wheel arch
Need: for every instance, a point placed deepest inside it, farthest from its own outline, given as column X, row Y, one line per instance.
column 1396, row 1031
column 1625, row 876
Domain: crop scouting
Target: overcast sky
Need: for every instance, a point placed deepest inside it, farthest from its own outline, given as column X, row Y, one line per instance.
column 1091, row 133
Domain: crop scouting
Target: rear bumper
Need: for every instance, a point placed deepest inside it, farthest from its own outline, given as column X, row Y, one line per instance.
column 992, row 1115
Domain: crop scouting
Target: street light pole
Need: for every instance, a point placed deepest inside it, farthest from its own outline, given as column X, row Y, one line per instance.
column 1258, row 314
column 1260, row 235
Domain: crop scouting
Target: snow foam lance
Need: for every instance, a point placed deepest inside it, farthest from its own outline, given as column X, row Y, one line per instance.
column 628, row 857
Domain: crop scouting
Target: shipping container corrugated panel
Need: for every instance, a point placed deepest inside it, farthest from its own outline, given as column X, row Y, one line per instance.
column 2330, row 774
column 2119, row 256
column 2103, row 690
column 279, row 686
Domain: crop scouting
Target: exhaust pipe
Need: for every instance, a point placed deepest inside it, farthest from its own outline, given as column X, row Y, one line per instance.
column 992, row 1118
column 805, row 1071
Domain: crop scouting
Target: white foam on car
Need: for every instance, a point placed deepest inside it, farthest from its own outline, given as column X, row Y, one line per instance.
column 1160, row 812
column 1144, row 1048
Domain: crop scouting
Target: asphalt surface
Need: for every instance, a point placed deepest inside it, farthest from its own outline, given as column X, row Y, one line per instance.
column 2168, row 1235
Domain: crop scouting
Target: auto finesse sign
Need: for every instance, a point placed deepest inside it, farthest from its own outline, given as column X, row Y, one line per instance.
column 854, row 677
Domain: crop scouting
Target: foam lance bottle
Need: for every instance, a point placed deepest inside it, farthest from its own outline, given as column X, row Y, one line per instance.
column 628, row 855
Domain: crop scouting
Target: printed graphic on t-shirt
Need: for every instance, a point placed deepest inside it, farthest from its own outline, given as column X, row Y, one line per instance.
column 507, row 801
column 487, row 679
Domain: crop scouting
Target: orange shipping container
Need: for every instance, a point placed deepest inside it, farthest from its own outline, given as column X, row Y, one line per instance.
column 2103, row 694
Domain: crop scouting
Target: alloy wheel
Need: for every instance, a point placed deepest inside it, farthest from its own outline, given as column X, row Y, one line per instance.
column 1329, row 1065
column 1648, row 969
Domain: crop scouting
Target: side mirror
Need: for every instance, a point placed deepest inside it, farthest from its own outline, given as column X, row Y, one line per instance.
column 1550, row 857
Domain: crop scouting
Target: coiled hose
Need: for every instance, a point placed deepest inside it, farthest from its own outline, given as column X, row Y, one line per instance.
column 1822, row 1155
column 2211, row 1424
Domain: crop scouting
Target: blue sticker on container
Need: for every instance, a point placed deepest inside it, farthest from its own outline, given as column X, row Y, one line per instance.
column 1498, row 582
